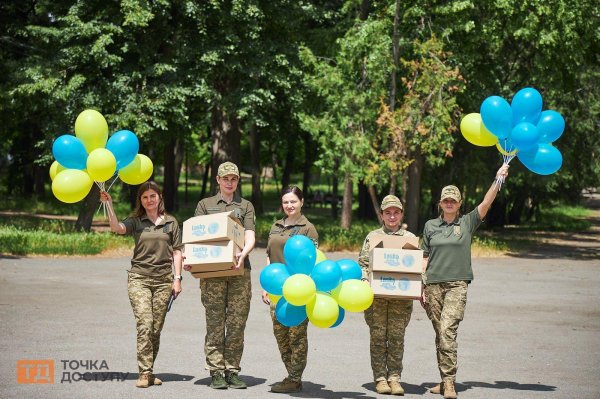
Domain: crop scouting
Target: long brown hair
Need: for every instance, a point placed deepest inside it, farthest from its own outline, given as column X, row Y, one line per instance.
column 139, row 210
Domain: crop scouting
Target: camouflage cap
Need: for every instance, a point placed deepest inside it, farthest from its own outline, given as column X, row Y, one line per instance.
column 228, row 168
column 451, row 192
column 389, row 201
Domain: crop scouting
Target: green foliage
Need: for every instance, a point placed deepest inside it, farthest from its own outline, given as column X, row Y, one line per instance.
column 561, row 218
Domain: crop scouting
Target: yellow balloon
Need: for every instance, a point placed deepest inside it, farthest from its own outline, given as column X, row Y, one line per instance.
column 101, row 164
column 91, row 128
column 320, row 257
column 353, row 295
column 137, row 171
column 473, row 129
column 274, row 298
column 504, row 152
column 71, row 185
column 55, row 169
column 299, row 289
column 323, row 310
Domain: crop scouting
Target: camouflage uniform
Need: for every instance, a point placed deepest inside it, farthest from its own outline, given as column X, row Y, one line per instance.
column 448, row 274
column 150, row 281
column 292, row 341
column 387, row 319
column 226, row 299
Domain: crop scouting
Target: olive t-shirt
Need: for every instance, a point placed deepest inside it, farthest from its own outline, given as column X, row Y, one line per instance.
column 280, row 233
column 448, row 246
column 154, row 244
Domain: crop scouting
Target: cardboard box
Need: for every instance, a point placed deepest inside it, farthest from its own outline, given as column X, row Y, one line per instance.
column 216, row 227
column 223, row 273
column 210, row 256
column 395, row 285
column 396, row 260
column 392, row 241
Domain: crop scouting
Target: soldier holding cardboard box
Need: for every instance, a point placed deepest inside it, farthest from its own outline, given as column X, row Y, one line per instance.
column 387, row 318
column 227, row 299
column 447, row 246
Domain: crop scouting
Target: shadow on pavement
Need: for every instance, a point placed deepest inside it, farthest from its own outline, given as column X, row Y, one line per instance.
column 516, row 386
column 312, row 390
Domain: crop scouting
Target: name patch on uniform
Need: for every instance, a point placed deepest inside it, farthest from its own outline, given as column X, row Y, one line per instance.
column 457, row 230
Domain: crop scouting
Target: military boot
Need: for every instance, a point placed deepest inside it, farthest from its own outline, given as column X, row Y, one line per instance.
column 154, row 380
column 383, row 387
column 437, row 389
column 396, row 388
column 449, row 391
column 234, row 381
column 143, row 381
column 287, row 386
column 218, row 380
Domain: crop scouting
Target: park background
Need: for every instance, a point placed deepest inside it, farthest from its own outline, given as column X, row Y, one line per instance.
column 350, row 100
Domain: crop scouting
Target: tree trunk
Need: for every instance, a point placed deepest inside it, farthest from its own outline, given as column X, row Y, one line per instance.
column 169, row 186
column 255, row 167
column 225, row 135
column 205, row 180
column 309, row 156
column 413, row 195
column 367, row 210
column 290, row 157
column 87, row 210
column 334, row 191
column 347, row 202
column 40, row 175
column 375, row 203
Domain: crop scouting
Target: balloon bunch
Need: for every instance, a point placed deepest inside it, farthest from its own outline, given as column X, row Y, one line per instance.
column 310, row 285
column 518, row 129
column 90, row 156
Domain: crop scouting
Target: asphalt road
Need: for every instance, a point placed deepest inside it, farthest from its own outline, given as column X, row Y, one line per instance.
column 531, row 330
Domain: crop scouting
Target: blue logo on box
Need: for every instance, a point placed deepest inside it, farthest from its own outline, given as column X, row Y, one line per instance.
column 200, row 252
column 389, row 283
column 215, row 252
column 391, row 259
column 408, row 260
column 213, row 228
column 198, row 230
column 403, row 284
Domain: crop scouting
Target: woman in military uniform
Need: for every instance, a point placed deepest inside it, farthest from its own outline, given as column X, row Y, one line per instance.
column 447, row 248
column 150, row 283
column 387, row 318
column 292, row 341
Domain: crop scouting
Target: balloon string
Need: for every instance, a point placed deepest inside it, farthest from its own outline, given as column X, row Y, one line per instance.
column 113, row 182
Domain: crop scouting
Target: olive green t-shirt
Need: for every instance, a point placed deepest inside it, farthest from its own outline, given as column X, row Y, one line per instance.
column 242, row 209
column 280, row 233
column 154, row 244
column 448, row 246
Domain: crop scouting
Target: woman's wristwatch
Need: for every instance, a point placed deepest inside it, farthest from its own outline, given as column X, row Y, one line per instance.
column 178, row 277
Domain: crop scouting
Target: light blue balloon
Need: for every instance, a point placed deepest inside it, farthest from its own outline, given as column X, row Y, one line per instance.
column 551, row 126
column 496, row 115
column 327, row 275
column 340, row 318
column 272, row 278
column 124, row 145
column 300, row 254
column 525, row 136
column 350, row 269
column 70, row 152
column 543, row 160
column 526, row 106
column 289, row 315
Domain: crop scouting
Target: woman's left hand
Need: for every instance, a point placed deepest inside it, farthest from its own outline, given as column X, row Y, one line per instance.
column 176, row 287
column 240, row 260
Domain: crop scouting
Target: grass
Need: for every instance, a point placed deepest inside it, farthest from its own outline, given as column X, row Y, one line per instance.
column 561, row 218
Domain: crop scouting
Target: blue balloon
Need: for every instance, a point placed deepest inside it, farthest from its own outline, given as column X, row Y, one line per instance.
column 340, row 318
column 272, row 278
column 124, row 145
column 70, row 152
column 327, row 275
column 551, row 126
column 289, row 315
column 350, row 269
column 496, row 115
column 524, row 136
column 543, row 159
column 300, row 254
column 526, row 106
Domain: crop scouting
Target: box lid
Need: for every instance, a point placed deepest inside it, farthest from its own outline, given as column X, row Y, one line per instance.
column 394, row 241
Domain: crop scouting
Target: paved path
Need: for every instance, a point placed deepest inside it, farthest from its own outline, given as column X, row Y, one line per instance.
column 532, row 330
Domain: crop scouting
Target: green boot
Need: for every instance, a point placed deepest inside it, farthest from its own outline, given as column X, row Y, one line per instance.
column 234, row 381
column 218, row 380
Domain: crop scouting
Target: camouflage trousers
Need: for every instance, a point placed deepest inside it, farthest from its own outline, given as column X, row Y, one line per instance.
column 387, row 320
column 149, row 297
column 293, row 346
column 226, row 302
column 445, row 308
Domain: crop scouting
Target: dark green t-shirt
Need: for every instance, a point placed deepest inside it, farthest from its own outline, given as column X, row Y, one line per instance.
column 154, row 244
column 280, row 233
column 242, row 209
column 448, row 246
